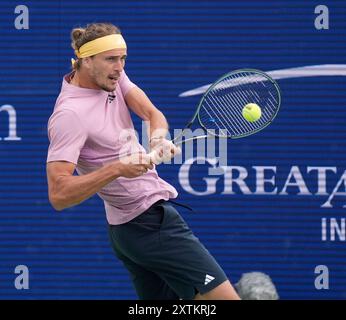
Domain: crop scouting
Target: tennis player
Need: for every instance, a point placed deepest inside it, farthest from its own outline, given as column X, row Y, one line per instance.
column 86, row 133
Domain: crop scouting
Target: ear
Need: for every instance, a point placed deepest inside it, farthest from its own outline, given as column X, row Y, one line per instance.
column 87, row 62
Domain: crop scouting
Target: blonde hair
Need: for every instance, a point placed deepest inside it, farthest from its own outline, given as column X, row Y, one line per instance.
column 80, row 36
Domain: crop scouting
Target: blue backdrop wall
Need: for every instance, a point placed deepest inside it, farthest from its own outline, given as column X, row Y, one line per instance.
column 287, row 230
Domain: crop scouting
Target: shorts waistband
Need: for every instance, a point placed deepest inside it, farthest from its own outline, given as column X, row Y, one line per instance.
column 173, row 202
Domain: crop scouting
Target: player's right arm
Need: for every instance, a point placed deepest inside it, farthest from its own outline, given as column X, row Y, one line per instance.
column 67, row 136
column 66, row 190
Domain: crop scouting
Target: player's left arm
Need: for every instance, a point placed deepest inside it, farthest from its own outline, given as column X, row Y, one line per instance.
column 141, row 105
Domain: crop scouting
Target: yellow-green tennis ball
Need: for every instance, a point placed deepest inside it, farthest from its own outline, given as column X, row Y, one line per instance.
column 252, row 112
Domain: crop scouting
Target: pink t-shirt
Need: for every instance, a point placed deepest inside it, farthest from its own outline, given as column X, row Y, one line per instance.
column 91, row 128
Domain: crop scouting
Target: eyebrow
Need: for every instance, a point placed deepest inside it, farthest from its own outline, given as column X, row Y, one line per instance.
column 123, row 56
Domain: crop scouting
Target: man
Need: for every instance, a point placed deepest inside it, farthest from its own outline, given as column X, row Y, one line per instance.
column 89, row 131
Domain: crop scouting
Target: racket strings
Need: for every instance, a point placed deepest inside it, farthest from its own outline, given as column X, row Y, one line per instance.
column 222, row 106
column 238, row 98
column 219, row 104
column 237, row 127
column 254, row 85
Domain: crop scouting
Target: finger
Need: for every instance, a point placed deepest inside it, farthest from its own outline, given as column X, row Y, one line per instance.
column 144, row 167
column 142, row 171
column 140, row 157
column 155, row 158
column 148, row 166
column 146, row 159
column 134, row 158
column 177, row 150
column 174, row 149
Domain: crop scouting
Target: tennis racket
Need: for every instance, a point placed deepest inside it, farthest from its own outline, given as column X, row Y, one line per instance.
column 220, row 111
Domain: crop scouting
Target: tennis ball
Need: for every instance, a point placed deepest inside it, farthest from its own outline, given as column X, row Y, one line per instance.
column 252, row 112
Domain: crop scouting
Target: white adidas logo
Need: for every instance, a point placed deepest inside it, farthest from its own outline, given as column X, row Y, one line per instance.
column 208, row 279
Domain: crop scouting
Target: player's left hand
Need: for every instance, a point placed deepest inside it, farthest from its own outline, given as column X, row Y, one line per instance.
column 164, row 150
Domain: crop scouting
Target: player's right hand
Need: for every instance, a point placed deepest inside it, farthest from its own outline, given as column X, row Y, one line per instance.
column 135, row 165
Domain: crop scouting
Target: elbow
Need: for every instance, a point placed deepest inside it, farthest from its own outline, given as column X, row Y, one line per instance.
column 56, row 203
column 57, row 207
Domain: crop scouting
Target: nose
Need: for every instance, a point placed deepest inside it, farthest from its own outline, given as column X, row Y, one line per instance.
column 119, row 65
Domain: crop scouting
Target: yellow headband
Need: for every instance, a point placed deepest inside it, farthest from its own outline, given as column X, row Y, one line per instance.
column 113, row 41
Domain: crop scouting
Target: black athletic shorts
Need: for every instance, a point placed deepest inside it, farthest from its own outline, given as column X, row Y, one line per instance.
column 164, row 258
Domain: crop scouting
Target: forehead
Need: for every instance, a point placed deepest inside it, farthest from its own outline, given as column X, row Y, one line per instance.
column 113, row 53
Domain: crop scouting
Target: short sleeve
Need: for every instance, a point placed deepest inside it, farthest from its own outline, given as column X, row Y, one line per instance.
column 125, row 84
column 67, row 137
